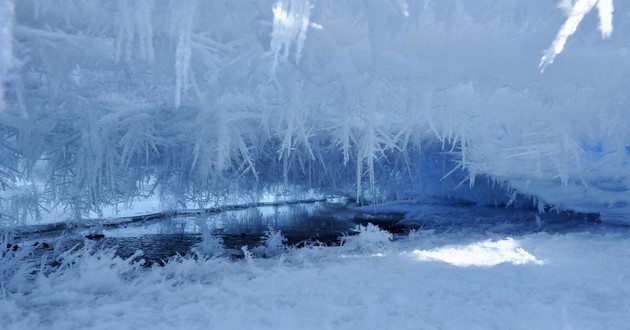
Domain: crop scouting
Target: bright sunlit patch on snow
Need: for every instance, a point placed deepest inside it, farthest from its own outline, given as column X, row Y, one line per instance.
column 362, row 255
column 484, row 254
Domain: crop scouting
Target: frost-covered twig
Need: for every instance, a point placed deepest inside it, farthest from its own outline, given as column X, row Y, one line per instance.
column 576, row 14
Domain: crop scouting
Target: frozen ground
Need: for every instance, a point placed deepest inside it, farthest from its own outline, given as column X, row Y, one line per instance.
column 574, row 276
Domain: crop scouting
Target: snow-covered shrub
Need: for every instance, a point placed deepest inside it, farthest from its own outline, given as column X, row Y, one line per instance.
column 247, row 254
column 370, row 238
column 273, row 244
column 211, row 245
column 88, row 270
column 82, row 267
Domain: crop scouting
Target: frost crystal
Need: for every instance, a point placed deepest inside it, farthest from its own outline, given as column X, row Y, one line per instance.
column 576, row 14
column 181, row 30
column 290, row 24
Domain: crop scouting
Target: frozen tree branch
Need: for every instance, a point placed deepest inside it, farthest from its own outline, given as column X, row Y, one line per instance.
column 576, row 14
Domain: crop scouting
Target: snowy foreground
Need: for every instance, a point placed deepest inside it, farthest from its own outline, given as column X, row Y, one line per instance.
column 576, row 279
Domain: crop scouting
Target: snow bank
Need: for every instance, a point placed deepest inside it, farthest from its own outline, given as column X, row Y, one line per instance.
column 581, row 284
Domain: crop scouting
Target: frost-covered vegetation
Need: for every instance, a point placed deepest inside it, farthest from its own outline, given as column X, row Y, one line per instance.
column 104, row 101
column 241, row 105
column 452, row 281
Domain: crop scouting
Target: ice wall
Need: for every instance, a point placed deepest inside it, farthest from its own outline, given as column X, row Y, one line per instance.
column 201, row 97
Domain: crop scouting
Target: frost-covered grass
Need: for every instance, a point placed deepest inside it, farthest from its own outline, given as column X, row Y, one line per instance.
column 577, row 280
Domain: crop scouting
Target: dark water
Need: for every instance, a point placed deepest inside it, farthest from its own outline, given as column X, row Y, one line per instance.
column 161, row 237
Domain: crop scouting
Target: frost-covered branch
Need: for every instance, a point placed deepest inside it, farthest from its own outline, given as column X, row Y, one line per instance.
column 576, row 14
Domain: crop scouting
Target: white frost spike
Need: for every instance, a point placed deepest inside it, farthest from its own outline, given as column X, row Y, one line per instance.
column 290, row 23
column 181, row 30
column 7, row 15
column 605, row 9
column 577, row 13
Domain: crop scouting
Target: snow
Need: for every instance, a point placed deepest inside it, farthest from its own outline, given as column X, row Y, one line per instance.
column 487, row 253
column 571, row 280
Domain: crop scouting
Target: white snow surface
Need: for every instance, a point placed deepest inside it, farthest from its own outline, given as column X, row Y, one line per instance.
column 576, row 280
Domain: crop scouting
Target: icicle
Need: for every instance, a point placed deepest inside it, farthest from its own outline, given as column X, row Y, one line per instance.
column 134, row 19
column 605, row 9
column 183, row 17
column 125, row 31
column 291, row 20
column 7, row 15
